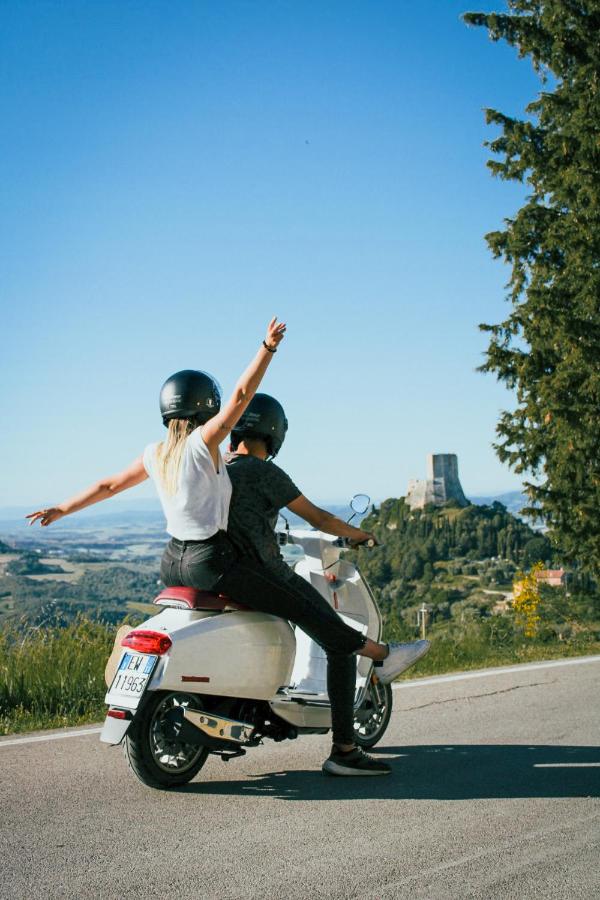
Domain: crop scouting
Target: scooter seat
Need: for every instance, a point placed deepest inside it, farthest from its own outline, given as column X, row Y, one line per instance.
column 193, row 599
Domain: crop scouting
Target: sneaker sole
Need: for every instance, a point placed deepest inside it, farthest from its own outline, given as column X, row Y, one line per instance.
column 332, row 768
column 389, row 678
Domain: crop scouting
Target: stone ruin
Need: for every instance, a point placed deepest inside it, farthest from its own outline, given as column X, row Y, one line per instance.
column 442, row 483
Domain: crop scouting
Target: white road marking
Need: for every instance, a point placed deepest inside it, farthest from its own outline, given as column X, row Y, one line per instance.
column 48, row 737
column 566, row 765
column 500, row 670
column 417, row 682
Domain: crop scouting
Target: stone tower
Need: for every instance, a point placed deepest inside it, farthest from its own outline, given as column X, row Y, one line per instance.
column 442, row 483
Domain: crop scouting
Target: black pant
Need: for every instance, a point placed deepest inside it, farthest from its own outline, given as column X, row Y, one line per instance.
column 212, row 565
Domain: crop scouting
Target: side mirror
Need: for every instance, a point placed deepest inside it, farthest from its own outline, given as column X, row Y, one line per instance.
column 359, row 505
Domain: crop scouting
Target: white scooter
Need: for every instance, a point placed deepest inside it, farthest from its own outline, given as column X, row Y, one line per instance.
column 207, row 675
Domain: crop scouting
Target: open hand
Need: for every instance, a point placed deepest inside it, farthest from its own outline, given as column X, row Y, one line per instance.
column 47, row 516
column 275, row 333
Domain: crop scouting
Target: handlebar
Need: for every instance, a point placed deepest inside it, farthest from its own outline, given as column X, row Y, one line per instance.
column 285, row 537
column 349, row 544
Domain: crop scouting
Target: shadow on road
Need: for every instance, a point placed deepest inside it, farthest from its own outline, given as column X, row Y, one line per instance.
column 437, row 772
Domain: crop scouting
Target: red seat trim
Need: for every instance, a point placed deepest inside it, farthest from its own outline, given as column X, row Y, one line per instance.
column 195, row 599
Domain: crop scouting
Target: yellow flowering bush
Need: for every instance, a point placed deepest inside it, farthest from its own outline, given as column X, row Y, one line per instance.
column 526, row 594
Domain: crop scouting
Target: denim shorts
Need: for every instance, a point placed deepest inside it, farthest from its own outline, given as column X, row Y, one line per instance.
column 198, row 564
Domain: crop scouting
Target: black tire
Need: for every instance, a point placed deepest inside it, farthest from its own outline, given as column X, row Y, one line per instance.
column 373, row 716
column 158, row 760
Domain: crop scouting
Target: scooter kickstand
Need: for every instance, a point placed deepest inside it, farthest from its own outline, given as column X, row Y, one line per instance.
column 226, row 756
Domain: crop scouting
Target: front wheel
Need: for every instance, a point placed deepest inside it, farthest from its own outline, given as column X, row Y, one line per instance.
column 156, row 755
column 373, row 716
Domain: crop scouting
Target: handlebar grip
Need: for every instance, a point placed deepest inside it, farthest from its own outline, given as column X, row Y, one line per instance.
column 348, row 543
column 369, row 543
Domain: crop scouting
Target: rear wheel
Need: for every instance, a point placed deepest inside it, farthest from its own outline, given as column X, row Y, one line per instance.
column 155, row 753
column 373, row 716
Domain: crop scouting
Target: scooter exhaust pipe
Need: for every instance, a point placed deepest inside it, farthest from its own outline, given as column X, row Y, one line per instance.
column 219, row 727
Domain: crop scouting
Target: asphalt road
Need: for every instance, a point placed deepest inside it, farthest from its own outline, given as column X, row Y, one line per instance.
column 495, row 794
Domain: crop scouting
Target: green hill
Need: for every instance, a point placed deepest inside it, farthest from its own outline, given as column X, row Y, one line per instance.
column 461, row 563
column 420, row 545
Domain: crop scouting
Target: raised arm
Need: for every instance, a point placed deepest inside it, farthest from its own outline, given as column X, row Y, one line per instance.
column 326, row 521
column 217, row 428
column 101, row 490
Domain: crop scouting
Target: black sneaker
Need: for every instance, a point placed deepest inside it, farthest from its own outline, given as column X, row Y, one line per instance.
column 354, row 762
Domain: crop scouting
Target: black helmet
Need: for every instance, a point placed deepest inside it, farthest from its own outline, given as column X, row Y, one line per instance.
column 264, row 419
column 190, row 394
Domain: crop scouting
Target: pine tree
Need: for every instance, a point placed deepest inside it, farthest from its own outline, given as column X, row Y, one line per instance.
column 548, row 348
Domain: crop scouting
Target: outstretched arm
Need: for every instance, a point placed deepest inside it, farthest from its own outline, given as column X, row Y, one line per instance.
column 217, row 428
column 326, row 521
column 101, row 490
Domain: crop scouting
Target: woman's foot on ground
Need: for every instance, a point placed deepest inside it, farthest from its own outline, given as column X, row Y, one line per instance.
column 354, row 762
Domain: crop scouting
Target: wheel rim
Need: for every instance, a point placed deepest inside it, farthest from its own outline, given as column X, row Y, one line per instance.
column 171, row 755
column 370, row 718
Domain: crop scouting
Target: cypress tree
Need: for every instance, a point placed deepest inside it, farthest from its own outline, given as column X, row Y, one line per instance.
column 548, row 348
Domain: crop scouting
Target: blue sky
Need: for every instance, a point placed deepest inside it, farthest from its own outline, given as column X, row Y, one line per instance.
column 173, row 174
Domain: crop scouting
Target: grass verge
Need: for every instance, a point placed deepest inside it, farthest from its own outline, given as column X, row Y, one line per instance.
column 53, row 677
column 445, row 660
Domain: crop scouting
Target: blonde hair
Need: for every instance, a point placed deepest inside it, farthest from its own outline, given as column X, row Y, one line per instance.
column 169, row 452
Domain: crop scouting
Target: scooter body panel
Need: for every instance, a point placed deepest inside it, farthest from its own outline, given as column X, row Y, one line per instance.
column 240, row 654
column 230, row 654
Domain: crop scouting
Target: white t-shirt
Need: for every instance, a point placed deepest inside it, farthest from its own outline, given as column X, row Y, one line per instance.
column 200, row 506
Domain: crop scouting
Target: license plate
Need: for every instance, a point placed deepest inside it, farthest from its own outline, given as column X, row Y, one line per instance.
column 132, row 677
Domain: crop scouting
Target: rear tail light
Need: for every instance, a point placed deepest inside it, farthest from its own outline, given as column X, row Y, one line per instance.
column 147, row 641
column 119, row 714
